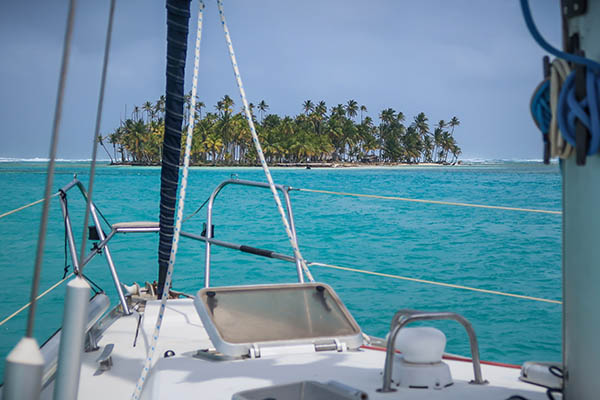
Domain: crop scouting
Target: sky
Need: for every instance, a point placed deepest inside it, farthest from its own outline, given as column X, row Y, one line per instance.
column 465, row 58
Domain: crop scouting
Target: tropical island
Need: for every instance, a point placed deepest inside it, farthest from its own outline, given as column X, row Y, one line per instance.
column 340, row 135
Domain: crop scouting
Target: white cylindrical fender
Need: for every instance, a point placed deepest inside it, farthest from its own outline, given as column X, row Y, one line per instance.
column 72, row 340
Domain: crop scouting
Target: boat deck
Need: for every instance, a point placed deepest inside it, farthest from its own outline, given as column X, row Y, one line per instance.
column 187, row 376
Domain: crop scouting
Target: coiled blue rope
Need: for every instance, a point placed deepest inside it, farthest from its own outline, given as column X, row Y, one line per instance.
column 587, row 110
column 540, row 107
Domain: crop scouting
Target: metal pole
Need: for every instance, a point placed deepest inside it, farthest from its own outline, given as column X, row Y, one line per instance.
column 69, row 232
column 24, row 365
column 208, row 235
column 97, row 249
column 288, row 206
column 50, row 175
column 72, row 335
column 109, row 260
column 111, row 15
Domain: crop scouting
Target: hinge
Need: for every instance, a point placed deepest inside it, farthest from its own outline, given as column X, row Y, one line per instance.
column 255, row 351
column 335, row 345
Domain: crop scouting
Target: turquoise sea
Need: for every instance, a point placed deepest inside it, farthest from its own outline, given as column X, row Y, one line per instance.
column 509, row 251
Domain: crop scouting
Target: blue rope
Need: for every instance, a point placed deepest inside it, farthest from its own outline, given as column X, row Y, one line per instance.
column 587, row 110
column 548, row 47
column 540, row 107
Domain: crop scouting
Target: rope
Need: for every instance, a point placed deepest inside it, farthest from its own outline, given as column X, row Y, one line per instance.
column 559, row 70
column 6, row 214
column 446, row 203
column 26, row 306
column 257, row 145
column 197, row 210
column 548, row 47
column 450, row 285
column 180, row 206
column 540, row 107
column 586, row 110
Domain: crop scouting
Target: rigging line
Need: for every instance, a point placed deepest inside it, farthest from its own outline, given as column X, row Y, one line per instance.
column 50, row 174
column 180, row 206
column 6, row 214
column 197, row 210
column 261, row 156
column 450, row 285
column 51, row 288
column 537, row 36
column 97, row 132
column 447, row 203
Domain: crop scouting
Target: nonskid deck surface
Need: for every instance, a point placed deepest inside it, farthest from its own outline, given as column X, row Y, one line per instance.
column 185, row 376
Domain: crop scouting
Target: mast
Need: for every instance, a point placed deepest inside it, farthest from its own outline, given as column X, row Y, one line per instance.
column 178, row 15
column 581, row 232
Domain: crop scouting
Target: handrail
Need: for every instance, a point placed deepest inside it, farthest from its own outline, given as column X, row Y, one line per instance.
column 71, row 239
column 284, row 189
column 406, row 316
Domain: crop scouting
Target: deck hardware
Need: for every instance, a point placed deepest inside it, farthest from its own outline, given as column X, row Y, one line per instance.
column 105, row 359
column 254, row 351
column 574, row 8
column 403, row 318
column 137, row 330
column 91, row 341
column 169, row 353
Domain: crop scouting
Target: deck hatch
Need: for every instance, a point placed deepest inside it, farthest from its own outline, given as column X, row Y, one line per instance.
column 237, row 318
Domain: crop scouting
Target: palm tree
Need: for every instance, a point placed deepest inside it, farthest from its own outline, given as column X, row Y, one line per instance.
column 147, row 107
column 351, row 108
column 219, row 107
column 362, row 109
column 308, row 106
column 453, row 122
column 227, row 103
column 262, row 107
column 100, row 140
column 199, row 106
column 159, row 108
column 136, row 113
column 321, row 108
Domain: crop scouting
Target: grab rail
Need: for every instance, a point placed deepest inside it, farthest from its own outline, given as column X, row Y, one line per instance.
column 288, row 205
column 403, row 318
column 71, row 240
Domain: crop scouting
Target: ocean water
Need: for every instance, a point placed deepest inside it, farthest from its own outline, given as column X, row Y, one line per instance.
column 509, row 251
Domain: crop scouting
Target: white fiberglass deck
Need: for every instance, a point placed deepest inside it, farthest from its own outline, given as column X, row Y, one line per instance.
column 184, row 376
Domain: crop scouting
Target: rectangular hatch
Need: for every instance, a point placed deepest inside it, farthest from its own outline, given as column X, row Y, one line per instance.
column 242, row 320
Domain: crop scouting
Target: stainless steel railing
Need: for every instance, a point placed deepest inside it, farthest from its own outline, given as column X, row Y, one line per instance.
column 403, row 318
column 283, row 189
column 147, row 227
column 71, row 240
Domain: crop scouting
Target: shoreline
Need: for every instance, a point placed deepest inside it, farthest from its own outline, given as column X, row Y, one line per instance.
column 309, row 165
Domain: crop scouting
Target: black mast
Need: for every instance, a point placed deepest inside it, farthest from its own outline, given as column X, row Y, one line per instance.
column 178, row 15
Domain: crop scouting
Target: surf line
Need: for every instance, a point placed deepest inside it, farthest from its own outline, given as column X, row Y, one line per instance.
column 439, row 202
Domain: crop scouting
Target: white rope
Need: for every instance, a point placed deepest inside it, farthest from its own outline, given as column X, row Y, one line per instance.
column 180, row 205
column 450, row 285
column 6, row 214
column 559, row 70
column 26, row 306
column 440, row 202
column 258, row 147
